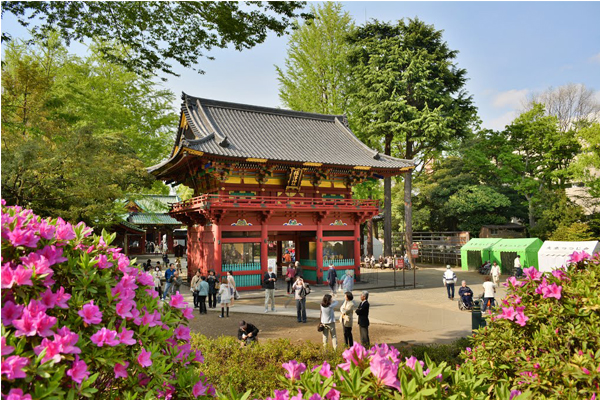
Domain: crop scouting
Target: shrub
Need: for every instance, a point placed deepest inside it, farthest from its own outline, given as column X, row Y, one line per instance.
column 545, row 336
column 451, row 353
column 254, row 367
column 79, row 321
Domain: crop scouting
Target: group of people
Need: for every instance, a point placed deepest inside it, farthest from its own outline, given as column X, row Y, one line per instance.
column 224, row 293
column 172, row 277
column 347, row 311
column 345, row 284
column 466, row 294
column 385, row 262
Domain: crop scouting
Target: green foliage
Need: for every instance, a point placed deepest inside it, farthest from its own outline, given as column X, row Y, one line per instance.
column 316, row 73
column 155, row 32
column 438, row 353
column 254, row 367
column 555, row 352
column 587, row 164
column 71, row 126
column 578, row 231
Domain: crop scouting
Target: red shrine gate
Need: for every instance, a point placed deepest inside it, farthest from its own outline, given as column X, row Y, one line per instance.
column 261, row 175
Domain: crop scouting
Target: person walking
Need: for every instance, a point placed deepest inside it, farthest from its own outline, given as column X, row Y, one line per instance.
column 489, row 290
column 347, row 318
column 328, row 320
column 225, row 293
column 363, row 319
column 212, row 289
column 495, row 273
column 300, row 289
column 290, row 277
column 449, row 280
column 202, row 290
column 193, row 288
column 348, row 282
column 177, row 281
column 157, row 275
column 169, row 278
column 269, row 282
column 332, row 278
column 298, row 268
column 231, row 283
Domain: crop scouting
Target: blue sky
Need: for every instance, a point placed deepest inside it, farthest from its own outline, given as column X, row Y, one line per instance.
column 509, row 49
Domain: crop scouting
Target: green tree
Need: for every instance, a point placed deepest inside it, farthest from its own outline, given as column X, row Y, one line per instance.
column 155, row 33
column 578, row 231
column 75, row 135
column 586, row 166
column 407, row 97
column 316, row 71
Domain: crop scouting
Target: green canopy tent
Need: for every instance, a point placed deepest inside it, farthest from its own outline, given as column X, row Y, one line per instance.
column 475, row 253
column 506, row 250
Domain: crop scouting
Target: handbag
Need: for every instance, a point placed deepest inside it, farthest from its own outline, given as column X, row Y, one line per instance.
column 321, row 327
column 287, row 279
column 236, row 295
column 218, row 298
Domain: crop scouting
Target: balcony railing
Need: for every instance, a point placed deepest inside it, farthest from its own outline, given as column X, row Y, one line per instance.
column 208, row 201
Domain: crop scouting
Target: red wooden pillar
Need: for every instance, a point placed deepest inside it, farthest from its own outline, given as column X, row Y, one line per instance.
column 170, row 240
column 142, row 243
column 319, row 252
column 356, row 249
column 217, row 240
column 264, row 247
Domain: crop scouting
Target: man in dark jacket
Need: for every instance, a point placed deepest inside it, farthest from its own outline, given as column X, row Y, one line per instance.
column 269, row 284
column 332, row 278
column 466, row 294
column 247, row 334
column 363, row 319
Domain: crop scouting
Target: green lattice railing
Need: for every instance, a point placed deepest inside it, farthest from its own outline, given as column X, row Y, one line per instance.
column 248, row 280
column 253, row 266
column 337, row 263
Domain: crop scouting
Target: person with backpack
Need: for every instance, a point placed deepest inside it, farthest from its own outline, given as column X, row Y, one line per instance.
column 301, row 290
column 269, row 284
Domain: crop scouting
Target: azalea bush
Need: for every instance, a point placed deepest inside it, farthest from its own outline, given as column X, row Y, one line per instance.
column 79, row 321
column 545, row 335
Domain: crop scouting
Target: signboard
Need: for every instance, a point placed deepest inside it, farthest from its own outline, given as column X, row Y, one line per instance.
column 414, row 250
column 399, row 263
column 272, row 263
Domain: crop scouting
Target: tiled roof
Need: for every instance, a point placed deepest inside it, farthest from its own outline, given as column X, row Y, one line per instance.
column 244, row 131
column 132, row 226
column 152, row 219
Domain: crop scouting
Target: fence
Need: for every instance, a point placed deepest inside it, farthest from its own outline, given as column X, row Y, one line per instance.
column 434, row 247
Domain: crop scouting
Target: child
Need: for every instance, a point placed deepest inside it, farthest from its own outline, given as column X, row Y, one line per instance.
column 225, row 293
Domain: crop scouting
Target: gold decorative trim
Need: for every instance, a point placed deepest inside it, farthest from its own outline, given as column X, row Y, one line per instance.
column 312, row 164
column 362, row 168
column 192, row 151
column 257, row 160
column 183, row 121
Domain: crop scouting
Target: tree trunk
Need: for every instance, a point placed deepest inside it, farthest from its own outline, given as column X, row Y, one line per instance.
column 531, row 216
column 408, row 214
column 387, row 209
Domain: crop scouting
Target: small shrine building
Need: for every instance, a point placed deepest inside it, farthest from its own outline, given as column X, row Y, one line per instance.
column 265, row 175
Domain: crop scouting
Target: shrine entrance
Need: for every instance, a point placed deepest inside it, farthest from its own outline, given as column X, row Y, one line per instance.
column 283, row 250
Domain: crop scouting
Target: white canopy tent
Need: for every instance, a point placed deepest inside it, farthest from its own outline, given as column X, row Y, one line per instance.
column 555, row 254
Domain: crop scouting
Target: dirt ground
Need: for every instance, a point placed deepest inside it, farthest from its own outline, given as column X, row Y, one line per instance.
column 274, row 326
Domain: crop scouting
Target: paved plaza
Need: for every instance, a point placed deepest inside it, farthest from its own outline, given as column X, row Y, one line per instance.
column 423, row 314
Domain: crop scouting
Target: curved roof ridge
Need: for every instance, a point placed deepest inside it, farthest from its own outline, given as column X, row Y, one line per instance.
column 374, row 153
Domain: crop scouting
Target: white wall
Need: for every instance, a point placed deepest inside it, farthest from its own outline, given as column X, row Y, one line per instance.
column 555, row 254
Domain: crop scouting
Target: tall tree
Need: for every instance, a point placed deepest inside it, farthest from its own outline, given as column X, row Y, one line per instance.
column 316, row 71
column 75, row 135
column 408, row 97
column 155, row 33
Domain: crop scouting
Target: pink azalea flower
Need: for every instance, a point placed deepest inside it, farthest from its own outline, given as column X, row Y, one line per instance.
column 52, row 254
column 7, row 276
column 411, row 362
column 325, row 370
column 90, row 313
column 38, row 263
column 585, row 370
column 508, row 313
column 64, row 230
column 182, row 332
column 514, row 282
column 521, row 318
column 67, row 341
column 145, row 279
column 532, row 273
column 32, row 323
column 294, row 369
column 17, row 394
column 577, row 257
column 62, row 298
column 121, row 370
column 52, row 351
column 384, row 350
column 199, row 389
column 48, row 298
column 78, row 371
column 126, row 337
column 514, row 393
column 297, row 396
column 177, row 301
column 198, row 357
column 105, row 337
column 21, row 237
column 385, row 371
column 315, row 396
column 353, row 355
column 553, row 291
column 144, row 358
column 103, row 262
column 143, row 379
column 6, row 350
column 282, row 395
column 13, row 366
column 46, row 231
column 123, row 308
column 559, row 274
column 188, row 313
column 333, row 395
column 10, row 312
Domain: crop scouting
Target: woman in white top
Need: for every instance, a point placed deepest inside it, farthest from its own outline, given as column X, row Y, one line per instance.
column 231, row 283
column 348, row 282
column 328, row 320
column 347, row 318
column 495, row 273
column 157, row 275
column 225, row 293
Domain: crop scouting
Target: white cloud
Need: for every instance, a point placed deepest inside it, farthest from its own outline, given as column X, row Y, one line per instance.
column 512, row 98
column 595, row 59
column 500, row 122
